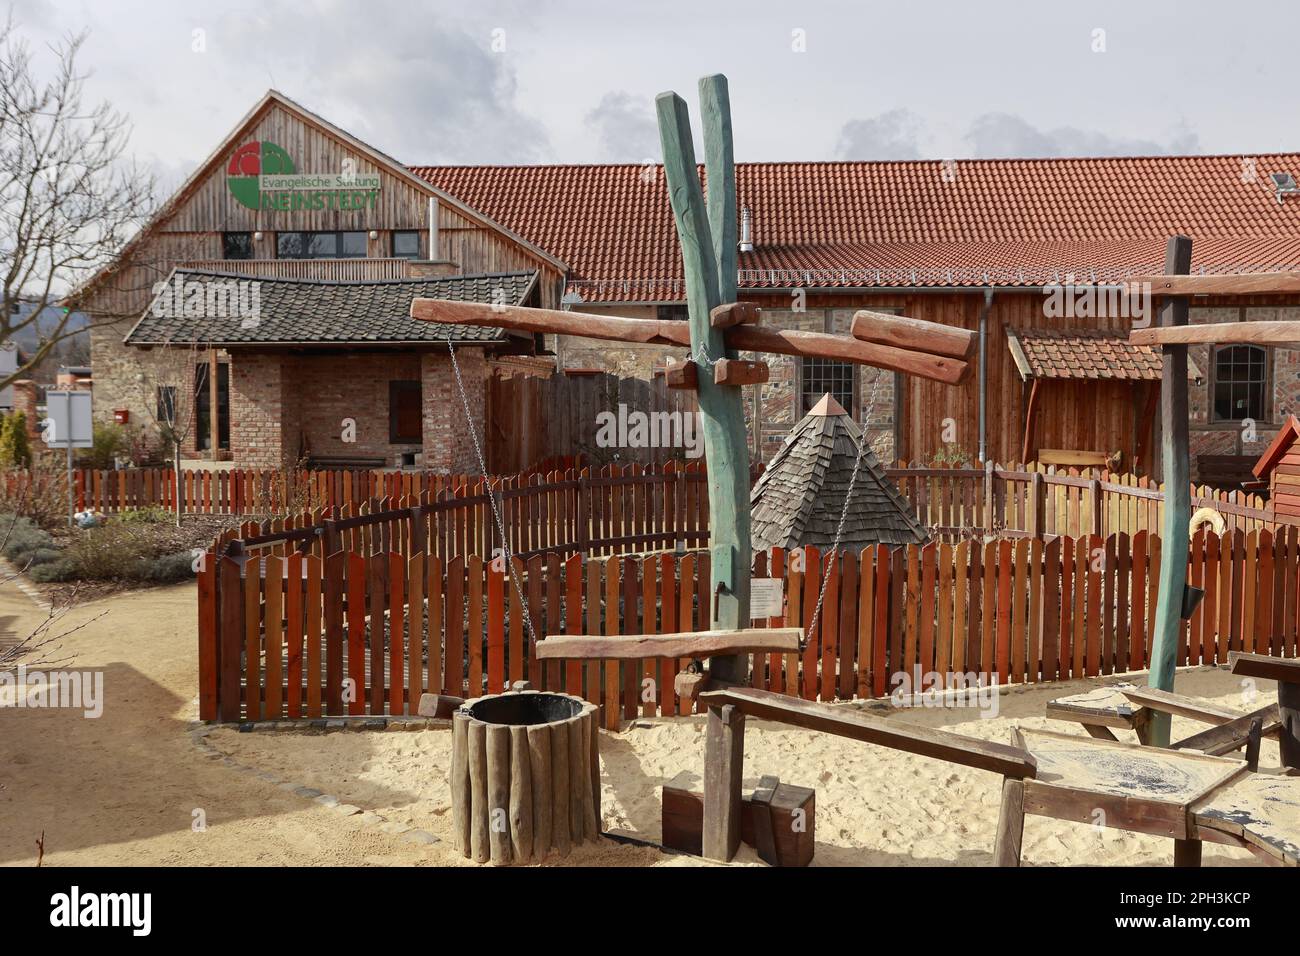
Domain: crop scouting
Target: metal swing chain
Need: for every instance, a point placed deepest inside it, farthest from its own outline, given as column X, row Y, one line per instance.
column 839, row 529
column 496, row 513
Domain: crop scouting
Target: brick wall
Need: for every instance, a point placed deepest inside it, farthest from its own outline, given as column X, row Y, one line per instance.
column 257, row 406
column 448, row 446
column 1233, row 438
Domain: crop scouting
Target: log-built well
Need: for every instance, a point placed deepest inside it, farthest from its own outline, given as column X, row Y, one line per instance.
column 525, row 776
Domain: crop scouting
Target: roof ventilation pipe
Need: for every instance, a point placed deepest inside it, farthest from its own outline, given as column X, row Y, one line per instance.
column 746, row 230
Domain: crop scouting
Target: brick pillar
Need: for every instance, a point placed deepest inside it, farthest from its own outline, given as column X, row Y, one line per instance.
column 26, row 395
column 448, row 446
column 259, row 434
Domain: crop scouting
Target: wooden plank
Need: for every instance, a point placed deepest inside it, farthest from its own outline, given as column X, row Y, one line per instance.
column 417, row 654
column 474, row 575
column 868, row 728
column 454, row 628
column 1243, row 283
column 232, row 638
column 293, row 617
column 377, row 592
column 1285, row 334
column 734, row 313
column 914, row 334
column 828, row 624
column 496, row 615
column 313, row 638
column 611, row 711
column 739, row 372
column 396, row 635
column 209, row 637
column 1261, row 665
column 252, row 639
column 676, row 645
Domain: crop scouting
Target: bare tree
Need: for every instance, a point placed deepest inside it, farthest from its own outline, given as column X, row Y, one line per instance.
column 167, row 385
column 69, row 201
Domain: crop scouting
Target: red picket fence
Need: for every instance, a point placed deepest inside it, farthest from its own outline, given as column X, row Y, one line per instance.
column 301, row 635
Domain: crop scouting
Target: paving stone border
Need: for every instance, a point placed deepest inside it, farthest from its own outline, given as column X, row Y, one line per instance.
column 200, row 731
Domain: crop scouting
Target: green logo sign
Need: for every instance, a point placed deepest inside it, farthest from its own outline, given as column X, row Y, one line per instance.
column 262, row 175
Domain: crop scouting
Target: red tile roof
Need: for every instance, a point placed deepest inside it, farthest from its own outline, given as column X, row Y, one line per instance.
column 1091, row 354
column 1004, row 222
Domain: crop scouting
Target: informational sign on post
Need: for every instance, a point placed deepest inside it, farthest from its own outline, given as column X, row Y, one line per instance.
column 766, row 598
column 68, row 425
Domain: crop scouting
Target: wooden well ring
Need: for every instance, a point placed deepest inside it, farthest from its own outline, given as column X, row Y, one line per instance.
column 525, row 776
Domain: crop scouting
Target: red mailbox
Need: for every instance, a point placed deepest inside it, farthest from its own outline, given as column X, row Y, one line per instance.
column 121, row 415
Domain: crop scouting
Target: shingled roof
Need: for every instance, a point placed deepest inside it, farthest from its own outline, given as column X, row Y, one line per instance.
column 318, row 312
column 798, row 500
column 1004, row 222
column 1084, row 354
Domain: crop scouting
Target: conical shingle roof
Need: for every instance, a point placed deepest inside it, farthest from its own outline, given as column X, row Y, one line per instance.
column 798, row 499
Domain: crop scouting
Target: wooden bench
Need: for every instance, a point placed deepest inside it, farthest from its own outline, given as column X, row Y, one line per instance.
column 1074, row 458
column 724, row 747
column 1287, row 675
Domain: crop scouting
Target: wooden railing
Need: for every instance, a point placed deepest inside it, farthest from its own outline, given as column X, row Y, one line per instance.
column 336, row 270
column 284, row 634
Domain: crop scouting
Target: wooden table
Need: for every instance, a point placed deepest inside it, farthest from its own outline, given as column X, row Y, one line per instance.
column 1187, row 796
column 1287, row 675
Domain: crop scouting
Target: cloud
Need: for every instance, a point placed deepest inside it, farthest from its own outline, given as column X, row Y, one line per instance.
column 424, row 90
column 625, row 128
column 994, row 135
column 892, row 135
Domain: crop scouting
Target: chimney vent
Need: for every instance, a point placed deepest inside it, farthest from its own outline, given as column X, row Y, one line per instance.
column 746, row 230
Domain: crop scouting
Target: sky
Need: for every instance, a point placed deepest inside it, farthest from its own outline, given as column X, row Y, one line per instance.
column 574, row 81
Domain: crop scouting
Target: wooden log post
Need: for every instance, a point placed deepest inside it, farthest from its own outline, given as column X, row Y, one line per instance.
column 724, row 754
column 708, row 242
column 1176, row 453
column 1011, row 823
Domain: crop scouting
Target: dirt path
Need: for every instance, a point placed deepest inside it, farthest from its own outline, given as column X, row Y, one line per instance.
column 123, row 788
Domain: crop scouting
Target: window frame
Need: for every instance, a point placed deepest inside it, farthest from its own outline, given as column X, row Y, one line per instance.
column 1266, row 386
column 338, row 235
column 393, row 243
column 225, row 248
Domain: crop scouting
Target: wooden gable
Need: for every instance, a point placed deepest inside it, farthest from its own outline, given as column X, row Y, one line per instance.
column 1280, row 465
column 188, row 228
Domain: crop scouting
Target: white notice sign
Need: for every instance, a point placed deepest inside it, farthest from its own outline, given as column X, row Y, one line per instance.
column 766, row 597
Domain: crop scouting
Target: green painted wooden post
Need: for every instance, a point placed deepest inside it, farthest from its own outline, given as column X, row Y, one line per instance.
column 710, row 268
column 1176, row 451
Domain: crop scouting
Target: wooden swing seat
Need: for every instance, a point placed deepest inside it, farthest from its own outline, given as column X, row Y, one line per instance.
column 632, row 647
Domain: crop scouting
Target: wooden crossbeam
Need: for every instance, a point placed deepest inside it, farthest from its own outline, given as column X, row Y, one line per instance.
column 683, row 644
column 745, row 338
column 895, row 734
column 1245, row 283
column 1219, row 333
column 916, row 334
column 585, row 324
column 757, row 338
column 1261, row 665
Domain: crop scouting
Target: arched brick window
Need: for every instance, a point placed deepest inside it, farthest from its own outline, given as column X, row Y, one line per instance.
column 1240, row 388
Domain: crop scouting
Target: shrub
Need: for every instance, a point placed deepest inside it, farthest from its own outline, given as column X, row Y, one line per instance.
column 109, row 553
column 38, row 493
column 150, row 515
column 177, row 566
column 14, row 449
column 61, row 570
column 21, row 537
column 108, row 442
